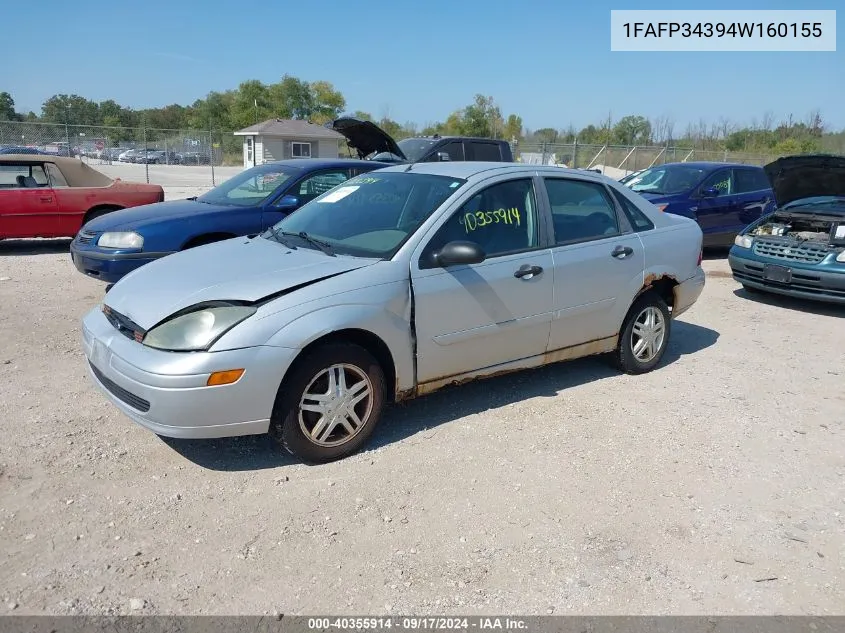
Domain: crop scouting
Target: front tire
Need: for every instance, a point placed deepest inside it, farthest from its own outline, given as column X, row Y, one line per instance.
column 645, row 335
column 329, row 403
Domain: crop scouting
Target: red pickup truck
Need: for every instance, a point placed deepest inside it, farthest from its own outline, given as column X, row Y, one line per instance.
column 53, row 196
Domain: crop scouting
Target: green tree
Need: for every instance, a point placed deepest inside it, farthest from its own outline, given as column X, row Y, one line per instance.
column 632, row 130
column 328, row 102
column 71, row 109
column 513, row 127
column 292, row 98
column 251, row 104
column 546, row 135
column 7, row 108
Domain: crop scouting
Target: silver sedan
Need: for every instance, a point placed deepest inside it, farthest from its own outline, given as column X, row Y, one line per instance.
column 388, row 287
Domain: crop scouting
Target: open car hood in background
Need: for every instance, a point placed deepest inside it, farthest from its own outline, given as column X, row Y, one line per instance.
column 797, row 177
column 365, row 137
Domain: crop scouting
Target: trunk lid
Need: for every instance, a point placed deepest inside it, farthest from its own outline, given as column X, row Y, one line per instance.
column 365, row 137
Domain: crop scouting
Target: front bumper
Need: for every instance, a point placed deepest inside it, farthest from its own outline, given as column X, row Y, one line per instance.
column 688, row 292
column 814, row 284
column 166, row 392
column 108, row 266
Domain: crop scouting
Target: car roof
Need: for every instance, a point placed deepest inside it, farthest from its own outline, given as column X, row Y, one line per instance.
column 705, row 164
column 467, row 169
column 310, row 164
column 61, row 161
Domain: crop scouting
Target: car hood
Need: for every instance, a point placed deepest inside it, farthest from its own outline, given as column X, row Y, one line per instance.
column 797, row 177
column 365, row 137
column 240, row 269
column 137, row 217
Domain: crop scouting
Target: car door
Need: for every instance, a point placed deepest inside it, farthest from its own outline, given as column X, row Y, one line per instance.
column 754, row 195
column 717, row 214
column 71, row 202
column 471, row 317
column 28, row 206
column 302, row 191
column 598, row 261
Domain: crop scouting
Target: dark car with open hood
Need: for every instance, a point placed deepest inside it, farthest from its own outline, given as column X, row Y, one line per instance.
column 799, row 249
column 370, row 142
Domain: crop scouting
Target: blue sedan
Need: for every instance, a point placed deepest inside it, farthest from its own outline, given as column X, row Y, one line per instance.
column 723, row 198
column 113, row 245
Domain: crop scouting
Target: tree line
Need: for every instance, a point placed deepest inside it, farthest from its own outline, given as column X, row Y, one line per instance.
column 254, row 101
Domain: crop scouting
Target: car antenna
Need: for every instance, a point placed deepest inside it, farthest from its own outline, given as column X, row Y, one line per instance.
column 408, row 168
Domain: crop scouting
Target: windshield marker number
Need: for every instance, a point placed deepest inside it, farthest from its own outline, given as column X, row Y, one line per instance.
column 479, row 219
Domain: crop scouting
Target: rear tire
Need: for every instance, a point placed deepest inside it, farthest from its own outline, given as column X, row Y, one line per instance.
column 644, row 336
column 329, row 403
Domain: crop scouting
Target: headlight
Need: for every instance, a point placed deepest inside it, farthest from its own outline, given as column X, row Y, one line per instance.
column 841, row 257
column 196, row 330
column 121, row 239
column 744, row 241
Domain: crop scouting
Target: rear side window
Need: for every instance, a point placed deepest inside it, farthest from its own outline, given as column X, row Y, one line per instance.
column 751, row 180
column 637, row 218
column 484, row 151
column 455, row 150
column 57, row 179
column 581, row 210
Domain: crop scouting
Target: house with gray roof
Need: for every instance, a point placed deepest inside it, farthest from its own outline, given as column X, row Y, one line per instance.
column 279, row 139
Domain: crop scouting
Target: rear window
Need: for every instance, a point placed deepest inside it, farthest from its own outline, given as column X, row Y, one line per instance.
column 639, row 221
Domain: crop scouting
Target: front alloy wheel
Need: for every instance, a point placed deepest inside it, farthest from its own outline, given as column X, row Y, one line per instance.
column 335, row 405
column 329, row 403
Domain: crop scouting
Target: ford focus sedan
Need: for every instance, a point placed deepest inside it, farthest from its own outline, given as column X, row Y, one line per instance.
column 391, row 286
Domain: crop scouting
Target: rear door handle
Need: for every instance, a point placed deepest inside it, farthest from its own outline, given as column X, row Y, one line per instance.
column 527, row 271
column 46, row 198
column 621, row 252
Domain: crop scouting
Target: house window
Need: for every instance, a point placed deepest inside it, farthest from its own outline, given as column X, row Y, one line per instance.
column 300, row 150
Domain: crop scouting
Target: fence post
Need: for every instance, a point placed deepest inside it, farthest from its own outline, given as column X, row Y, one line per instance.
column 635, row 159
column 144, row 136
column 575, row 153
column 211, row 156
column 67, row 138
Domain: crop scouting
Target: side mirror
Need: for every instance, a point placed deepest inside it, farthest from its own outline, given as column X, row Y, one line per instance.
column 443, row 156
column 287, row 203
column 710, row 192
column 459, row 252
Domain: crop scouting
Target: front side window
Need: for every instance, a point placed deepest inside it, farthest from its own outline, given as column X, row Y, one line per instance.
column 501, row 219
column 721, row 181
column 667, row 179
column 580, row 210
column 22, row 176
column 251, row 187
column 300, row 150
column 370, row 215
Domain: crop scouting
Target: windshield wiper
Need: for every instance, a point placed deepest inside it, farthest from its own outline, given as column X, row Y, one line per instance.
column 323, row 246
column 277, row 235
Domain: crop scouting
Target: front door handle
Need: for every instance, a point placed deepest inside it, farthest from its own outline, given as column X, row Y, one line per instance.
column 46, row 198
column 527, row 271
column 621, row 252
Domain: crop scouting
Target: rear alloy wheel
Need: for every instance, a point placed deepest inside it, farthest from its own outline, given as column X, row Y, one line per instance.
column 645, row 335
column 330, row 403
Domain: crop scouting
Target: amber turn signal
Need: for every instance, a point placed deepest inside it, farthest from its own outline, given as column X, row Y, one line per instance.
column 224, row 377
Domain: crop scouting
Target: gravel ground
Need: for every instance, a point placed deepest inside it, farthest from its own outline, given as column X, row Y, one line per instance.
column 713, row 485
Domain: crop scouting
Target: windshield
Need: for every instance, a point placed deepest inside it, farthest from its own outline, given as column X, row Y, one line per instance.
column 370, row 215
column 251, row 187
column 815, row 202
column 414, row 148
column 666, row 179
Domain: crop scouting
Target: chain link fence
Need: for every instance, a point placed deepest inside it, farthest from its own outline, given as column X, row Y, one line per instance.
column 618, row 160
column 192, row 157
